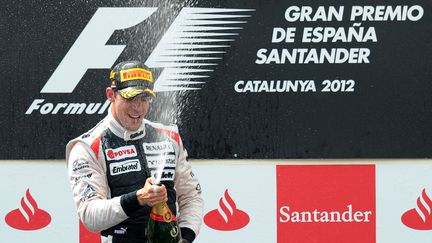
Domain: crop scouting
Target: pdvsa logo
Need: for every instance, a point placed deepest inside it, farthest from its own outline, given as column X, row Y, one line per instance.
column 227, row 216
column 28, row 216
column 121, row 153
column 420, row 217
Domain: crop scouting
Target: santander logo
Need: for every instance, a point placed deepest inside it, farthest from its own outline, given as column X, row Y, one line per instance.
column 28, row 216
column 419, row 218
column 226, row 217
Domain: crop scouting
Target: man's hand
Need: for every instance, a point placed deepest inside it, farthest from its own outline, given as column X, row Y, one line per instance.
column 151, row 194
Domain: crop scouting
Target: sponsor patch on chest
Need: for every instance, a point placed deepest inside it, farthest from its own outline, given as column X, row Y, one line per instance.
column 121, row 153
column 166, row 175
column 158, row 148
column 155, row 161
column 124, row 167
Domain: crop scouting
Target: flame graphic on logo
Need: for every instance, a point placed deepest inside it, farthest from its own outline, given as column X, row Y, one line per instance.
column 28, row 216
column 419, row 218
column 226, row 216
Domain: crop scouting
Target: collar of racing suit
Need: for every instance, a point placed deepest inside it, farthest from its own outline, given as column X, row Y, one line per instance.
column 120, row 131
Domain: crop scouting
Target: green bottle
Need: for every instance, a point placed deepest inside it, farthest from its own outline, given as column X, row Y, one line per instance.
column 162, row 226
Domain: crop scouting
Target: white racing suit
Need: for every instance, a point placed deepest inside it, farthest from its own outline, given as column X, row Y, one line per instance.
column 108, row 164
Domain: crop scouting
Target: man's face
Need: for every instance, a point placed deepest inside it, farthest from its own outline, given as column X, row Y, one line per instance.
column 129, row 112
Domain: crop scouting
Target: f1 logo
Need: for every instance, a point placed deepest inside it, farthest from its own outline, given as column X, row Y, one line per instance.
column 92, row 42
column 185, row 48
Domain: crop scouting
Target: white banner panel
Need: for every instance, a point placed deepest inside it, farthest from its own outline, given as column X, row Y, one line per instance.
column 240, row 202
column 403, row 202
column 252, row 190
column 36, row 203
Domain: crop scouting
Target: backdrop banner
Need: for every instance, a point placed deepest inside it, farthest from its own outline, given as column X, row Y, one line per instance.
column 243, row 79
column 254, row 201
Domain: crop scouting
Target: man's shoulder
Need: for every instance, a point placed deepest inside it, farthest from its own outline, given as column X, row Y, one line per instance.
column 161, row 126
column 171, row 130
column 90, row 139
column 93, row 134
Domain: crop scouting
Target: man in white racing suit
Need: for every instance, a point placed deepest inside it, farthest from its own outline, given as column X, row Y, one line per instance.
column 111, row 166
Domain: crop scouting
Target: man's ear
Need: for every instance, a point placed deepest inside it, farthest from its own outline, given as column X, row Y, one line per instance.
column 110, row 94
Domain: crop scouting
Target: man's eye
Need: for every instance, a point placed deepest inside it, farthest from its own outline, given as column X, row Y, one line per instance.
column 146, row 99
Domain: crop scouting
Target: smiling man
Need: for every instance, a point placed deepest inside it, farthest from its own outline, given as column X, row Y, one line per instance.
column 112, row 166
column 130, row 94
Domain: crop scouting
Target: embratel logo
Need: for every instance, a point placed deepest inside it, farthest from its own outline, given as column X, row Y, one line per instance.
column 28, row 216
column 326, row 203
column 419, row 218
column 188, row 50
column 124, row 167
column 227, row 216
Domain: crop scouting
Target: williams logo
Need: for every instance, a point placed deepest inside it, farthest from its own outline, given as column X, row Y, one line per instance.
column 124, row 167
column 420, row 217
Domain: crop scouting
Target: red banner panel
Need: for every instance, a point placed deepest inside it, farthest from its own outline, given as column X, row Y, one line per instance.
column 326, row 204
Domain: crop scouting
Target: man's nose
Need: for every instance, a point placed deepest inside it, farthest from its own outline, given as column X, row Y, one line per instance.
column 137, row 104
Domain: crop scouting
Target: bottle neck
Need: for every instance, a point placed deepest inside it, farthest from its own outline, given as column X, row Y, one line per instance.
column 162, row 213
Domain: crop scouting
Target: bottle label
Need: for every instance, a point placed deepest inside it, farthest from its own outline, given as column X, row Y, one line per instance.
column 165, row 217
column 174, row 231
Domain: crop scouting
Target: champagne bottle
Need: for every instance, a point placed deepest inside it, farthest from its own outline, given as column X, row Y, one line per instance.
column 162, row 226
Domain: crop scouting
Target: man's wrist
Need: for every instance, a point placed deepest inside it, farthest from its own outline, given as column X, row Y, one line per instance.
column 187, row 234
column 129, row 203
